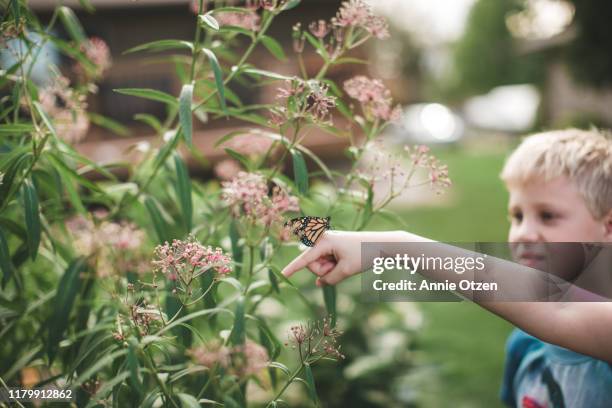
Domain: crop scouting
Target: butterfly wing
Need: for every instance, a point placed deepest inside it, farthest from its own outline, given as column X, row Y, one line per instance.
column 311, row 229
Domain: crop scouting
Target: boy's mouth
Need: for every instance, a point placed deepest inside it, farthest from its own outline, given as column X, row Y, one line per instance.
column 531, row 259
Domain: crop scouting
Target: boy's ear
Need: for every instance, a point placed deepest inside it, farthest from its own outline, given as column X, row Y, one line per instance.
column 608, row 225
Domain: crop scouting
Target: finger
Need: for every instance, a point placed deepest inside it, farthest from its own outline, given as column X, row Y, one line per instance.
column 335, row 276
column 308, row 256
column 321, row 267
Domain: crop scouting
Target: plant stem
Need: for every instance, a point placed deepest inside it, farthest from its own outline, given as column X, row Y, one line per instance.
column 151, row 365
column 287, row 384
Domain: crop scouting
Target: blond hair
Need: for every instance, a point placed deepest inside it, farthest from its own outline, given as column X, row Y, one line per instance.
column 584, row 156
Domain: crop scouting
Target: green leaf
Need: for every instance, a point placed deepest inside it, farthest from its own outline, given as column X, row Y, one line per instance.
column 351, row 61
column 161, row 45
column 5, row 259
column 191, row 316
column 280, row 366
column 300, row 172
column 368, row 208
column 229, row 137
column 208, row 20
column 86, row 4
column 238, row 335
column 67, row 176
column 273, row 281
column 188, row 401
column 159, row 223
column 320, row 47
column 267, row 74
column 312, row 389
column 329, row 296
column 46, row 120
column 166, row 150
column 185, row 116
column 267, row 339
column 71, row 23
column 237, row 251
column 240, row 157
column 291, row 4
column 214, row 63
column 183, row 190
column 151, row 94
column 16, row 128
column 274, row 47
column 32, row 217
column 149, row 120
column 16, row 11
column 108, row 123
column 12, row 167
column 66, row 293
column 133, row 365
column 229, row 402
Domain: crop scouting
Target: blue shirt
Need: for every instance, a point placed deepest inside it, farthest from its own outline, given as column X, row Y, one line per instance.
column 541, row 375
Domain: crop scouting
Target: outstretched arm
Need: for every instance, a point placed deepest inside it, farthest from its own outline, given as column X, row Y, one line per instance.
column 585, row 328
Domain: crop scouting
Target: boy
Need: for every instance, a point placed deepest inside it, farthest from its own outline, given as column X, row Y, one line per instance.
column 560, row 186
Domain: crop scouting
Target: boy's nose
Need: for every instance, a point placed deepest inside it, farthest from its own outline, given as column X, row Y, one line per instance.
column 527, row 231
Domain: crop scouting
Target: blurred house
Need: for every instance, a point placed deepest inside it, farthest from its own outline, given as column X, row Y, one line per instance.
column 566, row 101
column 124, row 24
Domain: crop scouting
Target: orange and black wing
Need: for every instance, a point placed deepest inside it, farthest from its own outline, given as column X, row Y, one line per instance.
column 309, row 229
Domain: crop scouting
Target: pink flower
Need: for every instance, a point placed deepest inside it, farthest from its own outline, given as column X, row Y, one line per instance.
column 243, row 361
column 67, row 108
column 254, row 358
column 248, row 196
column 374, row 97
column 356, row 13
column 309, row 99
column 248, row 19
column 117, row 246
column 98, row 52
column 212, row 355
column 190, row 257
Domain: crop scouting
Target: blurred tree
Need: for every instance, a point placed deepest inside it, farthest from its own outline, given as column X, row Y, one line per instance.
column 484, row 57
column 590, row 54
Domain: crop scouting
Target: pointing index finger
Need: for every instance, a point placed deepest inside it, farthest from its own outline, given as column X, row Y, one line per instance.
column 301, row 261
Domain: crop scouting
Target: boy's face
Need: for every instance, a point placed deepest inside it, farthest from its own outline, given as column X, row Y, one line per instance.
column 546, row 212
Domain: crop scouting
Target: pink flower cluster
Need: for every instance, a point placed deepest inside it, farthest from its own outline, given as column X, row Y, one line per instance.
column 316, row 339
column 249, row 20
column 357, row 13
column 438, row 172
column 247, row 195
column 97, row 51
column 67, row 108
column 374, row 97
column 303, row 99
column 243, row 361
column 190, row 257
column 118, row 245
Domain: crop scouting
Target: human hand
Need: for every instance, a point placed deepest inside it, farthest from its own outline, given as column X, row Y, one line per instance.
column 337, row 254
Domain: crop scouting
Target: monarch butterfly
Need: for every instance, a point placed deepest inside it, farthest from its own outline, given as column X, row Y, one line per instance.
column 308, row 229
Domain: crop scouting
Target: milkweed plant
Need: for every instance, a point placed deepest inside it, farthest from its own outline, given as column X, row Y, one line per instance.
column 153, row 289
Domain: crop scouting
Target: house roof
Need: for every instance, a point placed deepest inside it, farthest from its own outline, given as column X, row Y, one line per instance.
column 100, row 4
column 50, row 4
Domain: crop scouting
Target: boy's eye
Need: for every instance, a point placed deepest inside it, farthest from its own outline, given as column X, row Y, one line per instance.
column 547, row 216
column 516, row 216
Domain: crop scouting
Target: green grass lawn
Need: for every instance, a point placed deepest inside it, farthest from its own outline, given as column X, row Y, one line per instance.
column 462, row 345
